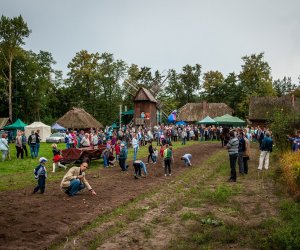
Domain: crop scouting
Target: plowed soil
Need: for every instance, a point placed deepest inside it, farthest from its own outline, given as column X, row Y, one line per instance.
column 30, row 221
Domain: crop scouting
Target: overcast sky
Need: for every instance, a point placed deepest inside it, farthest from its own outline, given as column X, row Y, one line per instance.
column 164, row 34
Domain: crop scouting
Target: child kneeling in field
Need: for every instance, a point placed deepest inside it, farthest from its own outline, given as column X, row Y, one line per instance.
column 138, row 166
column 40, row 174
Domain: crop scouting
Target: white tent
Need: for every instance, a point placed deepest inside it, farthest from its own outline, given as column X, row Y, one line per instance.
column 45, row 130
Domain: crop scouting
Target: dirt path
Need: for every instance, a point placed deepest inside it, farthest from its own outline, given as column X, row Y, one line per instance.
column 37, row 221
column 200, row 200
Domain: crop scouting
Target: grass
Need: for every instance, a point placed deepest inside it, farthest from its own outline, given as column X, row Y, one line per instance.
column 18, row 173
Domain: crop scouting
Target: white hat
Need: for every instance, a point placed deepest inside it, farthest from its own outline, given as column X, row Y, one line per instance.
column 42, row 159
column 122, row 144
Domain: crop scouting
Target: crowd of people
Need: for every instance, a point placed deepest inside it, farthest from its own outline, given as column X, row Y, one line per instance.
column 159, row 141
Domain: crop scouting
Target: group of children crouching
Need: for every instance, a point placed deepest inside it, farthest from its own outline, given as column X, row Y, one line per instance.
column 165, row 152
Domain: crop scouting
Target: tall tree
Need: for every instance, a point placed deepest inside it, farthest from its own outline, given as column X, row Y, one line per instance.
column 12, row 34
column 213, row 85
column 284, row 86
column 255, row 80
column 190, row 80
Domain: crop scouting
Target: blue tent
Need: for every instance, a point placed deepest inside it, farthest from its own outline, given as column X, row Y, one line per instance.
column 56, row 126
column 180, row 123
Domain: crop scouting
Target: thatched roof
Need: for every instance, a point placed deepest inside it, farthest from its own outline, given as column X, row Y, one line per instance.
column 261, row 107
column 4, row 122
column 144, row 94
column 78, row 118
column 192, row 112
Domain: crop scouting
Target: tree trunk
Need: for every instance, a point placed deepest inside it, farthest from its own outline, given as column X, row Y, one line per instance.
column 10, row 87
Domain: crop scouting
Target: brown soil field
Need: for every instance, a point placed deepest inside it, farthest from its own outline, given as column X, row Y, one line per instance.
column 30, row 221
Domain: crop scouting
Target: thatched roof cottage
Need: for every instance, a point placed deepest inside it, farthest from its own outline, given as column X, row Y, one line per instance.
column 193, row 112
column 260, row 108
column 78, row 118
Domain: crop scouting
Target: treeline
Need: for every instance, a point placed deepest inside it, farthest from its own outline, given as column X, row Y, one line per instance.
column 32, row 90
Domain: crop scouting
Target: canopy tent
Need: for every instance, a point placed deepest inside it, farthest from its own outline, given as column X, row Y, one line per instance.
column 207, row 121
column 114, row 126
column 56, row 126
column 45, row 130
column 229, row 120
column 128, row 112
column 180, row 123
column 18, row 124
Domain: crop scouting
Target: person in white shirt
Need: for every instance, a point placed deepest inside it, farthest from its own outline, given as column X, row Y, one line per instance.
column 85, row 141
column 135, row 145
column 187, row 159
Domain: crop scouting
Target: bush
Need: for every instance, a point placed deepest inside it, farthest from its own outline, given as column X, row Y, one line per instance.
column 291, row 171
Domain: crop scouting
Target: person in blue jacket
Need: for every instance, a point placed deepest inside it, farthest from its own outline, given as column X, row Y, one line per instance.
column 40, row 174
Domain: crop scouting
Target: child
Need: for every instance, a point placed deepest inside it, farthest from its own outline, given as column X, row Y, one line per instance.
column 168, row 157
column 117, row 149
column 138, row 166
column 40, row 174
column 56, row 158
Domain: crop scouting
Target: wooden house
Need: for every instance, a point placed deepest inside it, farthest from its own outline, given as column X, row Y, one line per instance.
column 146, row 111
column 193, row 112
column 261, row 108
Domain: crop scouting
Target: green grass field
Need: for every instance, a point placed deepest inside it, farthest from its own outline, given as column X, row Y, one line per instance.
column 18, row 173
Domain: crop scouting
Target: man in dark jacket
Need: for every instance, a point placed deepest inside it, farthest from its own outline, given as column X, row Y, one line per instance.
column 265, row 150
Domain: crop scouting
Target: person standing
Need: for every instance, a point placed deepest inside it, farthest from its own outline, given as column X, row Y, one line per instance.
column 4, row 148
column 233, row 147
column 246, row 155
column 241, row 152
column 135, row 145
column 123, row 157
column 24, row 143
column 265, row 150
column 38, row 140
column 32, row 144
column 74, row 180
column 19, row 146
column 151, row 153
column 167, row 159
column 40, row 174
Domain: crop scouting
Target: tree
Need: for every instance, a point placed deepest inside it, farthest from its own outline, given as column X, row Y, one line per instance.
column 213, row 85
column 255, row 80
column 284, row 86
column 12, row 34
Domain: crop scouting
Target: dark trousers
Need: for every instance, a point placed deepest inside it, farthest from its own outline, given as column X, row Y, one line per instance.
column 232, row 159
column 167, row 166
column 245, row 159
column 20, row 152
column 41, row 184
column 25, row 150
column 150, row 156
column 137, row 170
column 122, row 164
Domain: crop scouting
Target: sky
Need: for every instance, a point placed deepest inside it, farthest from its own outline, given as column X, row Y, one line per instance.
column 166, row 34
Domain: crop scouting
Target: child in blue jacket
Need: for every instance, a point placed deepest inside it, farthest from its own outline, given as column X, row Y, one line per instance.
column 40, row 174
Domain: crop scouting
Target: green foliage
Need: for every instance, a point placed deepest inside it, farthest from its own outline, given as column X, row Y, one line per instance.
column 281, row 124
column 284, row 86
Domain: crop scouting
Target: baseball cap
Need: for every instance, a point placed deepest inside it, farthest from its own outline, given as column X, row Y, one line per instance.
column 42, row 159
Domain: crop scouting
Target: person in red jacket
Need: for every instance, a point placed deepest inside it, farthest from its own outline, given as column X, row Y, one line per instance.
column 117, row 149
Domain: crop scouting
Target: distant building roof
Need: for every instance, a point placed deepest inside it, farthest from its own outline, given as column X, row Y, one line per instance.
column 144, row 94
column 4, row 122
column 192, row 112
column 261, row 107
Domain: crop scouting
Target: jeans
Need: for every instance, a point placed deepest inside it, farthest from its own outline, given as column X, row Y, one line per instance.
column 232, row 159
column 20, row 152
column 186, row 163
column 143, row 166
column 4, row 154
column 183, row 140
column 41, row 184
column 135, row 150
column 33, row 150
column 37, row 149
column 25, row 150
column 241, row 163
column 75, row 187
column 152, row 157
column 105, row 162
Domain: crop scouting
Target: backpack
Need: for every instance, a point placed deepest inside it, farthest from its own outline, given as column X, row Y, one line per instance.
column 66, row 139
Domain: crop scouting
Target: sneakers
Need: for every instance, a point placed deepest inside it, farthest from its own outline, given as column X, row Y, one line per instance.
column 165, row 174
column 169, row 174
column 154, row 162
